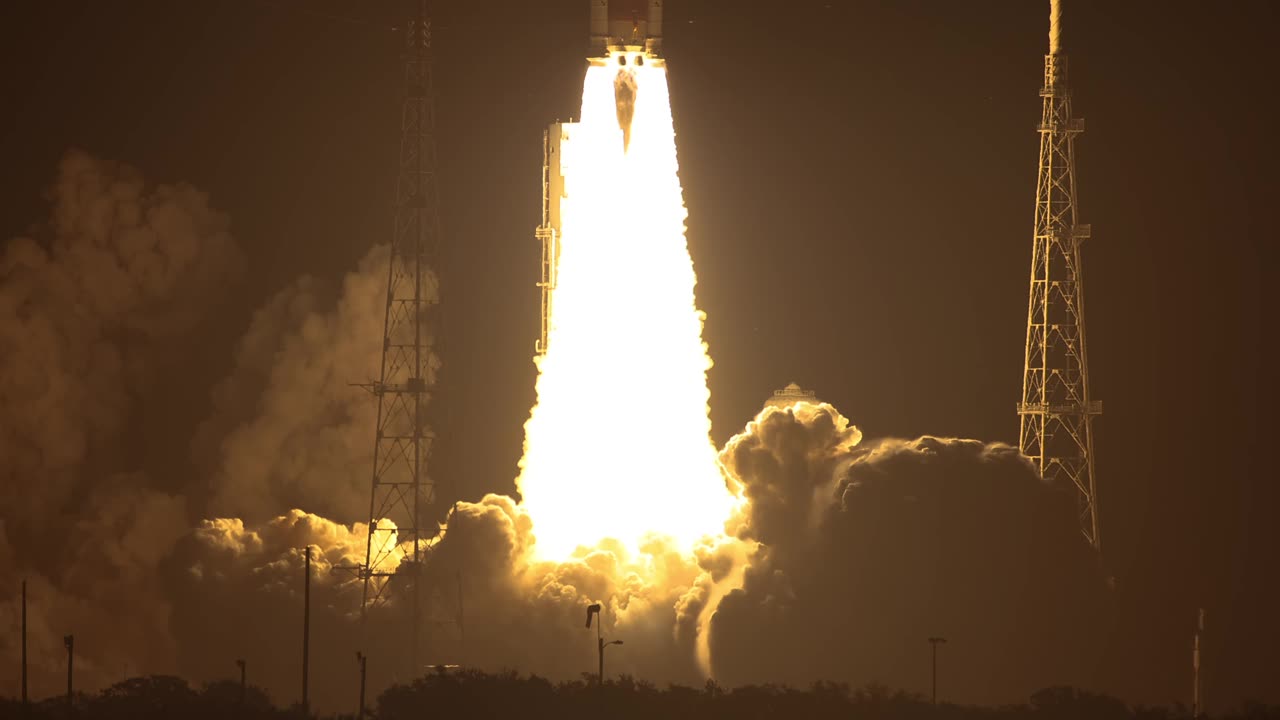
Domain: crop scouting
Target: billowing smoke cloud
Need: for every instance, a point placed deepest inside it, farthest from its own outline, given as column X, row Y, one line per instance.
column 104, row 590
column 843, row 556
column 94, row 303
column 847, row 556
column 237, row 593
column 866, row 551
column 530, row 615
column 289, row 429
column 89, row 305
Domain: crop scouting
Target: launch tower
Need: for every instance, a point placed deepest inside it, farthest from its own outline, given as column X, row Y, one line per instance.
column 555, row 143
column 403, row 497
column 1057, row 409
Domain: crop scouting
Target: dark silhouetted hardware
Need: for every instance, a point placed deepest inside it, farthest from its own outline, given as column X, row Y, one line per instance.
column 306, row 631
column 934, row 642
column 24, row 643
column 364, row 665
column 593, row 610
column 69, row 641
column 1197, row 690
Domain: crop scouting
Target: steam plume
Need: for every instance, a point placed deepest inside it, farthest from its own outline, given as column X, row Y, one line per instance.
column 866, row 549
column 95, row 304
column 288, row 429
column 840, row 551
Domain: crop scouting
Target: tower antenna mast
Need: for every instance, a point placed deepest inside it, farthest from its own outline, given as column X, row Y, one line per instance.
column 1057, row 409
column 403, row 499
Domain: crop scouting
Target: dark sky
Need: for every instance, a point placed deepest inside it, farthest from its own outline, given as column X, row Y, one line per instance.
column 859, row 177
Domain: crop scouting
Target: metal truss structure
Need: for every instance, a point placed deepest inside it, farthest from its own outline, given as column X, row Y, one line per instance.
column 1057, row 409
column 547, row 233
column 403, row 500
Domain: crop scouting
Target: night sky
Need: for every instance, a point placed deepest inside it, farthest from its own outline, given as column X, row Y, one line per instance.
column 860, row 180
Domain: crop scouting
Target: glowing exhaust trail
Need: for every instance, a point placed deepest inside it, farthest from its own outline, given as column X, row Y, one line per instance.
column 618, row 444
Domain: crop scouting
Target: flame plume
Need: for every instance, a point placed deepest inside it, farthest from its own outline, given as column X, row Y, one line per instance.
column 625, row 343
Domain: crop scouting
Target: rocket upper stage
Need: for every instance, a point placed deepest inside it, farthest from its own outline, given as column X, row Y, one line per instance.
column 620, row 25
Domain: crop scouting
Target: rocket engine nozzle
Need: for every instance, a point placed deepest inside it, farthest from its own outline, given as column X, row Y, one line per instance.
column 625, row 89
column 623, row 24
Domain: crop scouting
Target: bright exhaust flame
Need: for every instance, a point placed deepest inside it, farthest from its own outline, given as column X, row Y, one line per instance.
column 618, row 445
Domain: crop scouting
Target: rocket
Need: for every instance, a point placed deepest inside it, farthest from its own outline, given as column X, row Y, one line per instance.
column 628, row 35
column 631, row 26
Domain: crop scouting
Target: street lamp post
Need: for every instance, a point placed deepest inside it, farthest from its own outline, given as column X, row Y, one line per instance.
column 592, row 611
column 241, row 664
column 69, row 641
column 24, row 644
column 935, row 641
column 364, row 662
column 306, row 634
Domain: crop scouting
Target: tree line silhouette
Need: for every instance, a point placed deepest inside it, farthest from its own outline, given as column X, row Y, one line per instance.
column 476, row 694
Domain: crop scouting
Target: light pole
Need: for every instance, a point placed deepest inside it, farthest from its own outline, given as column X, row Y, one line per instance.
column 69, row 641
column 306, row 634
column 241, row 664
column 1197, row 697
column 592, row 611
column 24, row 644
column 364, row 661
column 935, row 641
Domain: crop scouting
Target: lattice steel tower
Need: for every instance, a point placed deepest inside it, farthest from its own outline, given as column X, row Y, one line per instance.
column 1057, row 409
column 402, row 505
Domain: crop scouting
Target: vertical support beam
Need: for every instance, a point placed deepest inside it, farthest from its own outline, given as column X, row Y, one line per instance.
column 364, row 664
column 1197, row 695
column 935, row 642
column 306, row 633
column 935, row 675
column 462, row 627
column 24, row 643
column 70, row 642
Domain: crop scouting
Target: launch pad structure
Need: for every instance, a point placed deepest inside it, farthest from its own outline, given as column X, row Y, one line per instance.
column 555, row 142
column 403, row 497
column 1057, row 409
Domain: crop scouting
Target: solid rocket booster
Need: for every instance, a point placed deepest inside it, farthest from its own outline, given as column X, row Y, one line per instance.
column 628, row 33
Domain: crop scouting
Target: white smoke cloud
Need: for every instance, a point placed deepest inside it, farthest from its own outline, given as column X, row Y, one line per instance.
column 289, row 429
column 122, row 270
column 92, row 303
column 865, row 551
column 842, row 555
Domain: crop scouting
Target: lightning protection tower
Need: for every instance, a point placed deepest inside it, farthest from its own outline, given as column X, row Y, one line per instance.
column 1057, row 409
column 403, row 498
